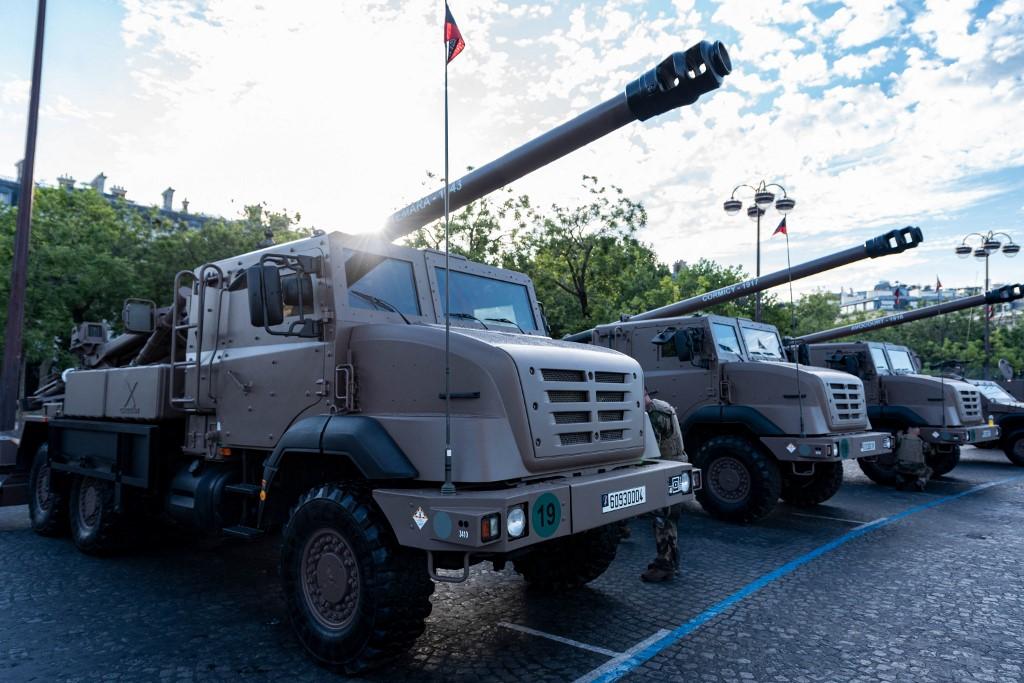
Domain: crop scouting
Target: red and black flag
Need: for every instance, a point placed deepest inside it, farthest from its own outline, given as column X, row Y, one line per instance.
column 781, row 228
column 452, row 35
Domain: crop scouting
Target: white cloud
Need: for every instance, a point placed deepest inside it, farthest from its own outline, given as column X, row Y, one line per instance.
column 861, row 22
column 854, row 65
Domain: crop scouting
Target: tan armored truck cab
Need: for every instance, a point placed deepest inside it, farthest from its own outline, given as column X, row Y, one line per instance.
column 948, row 412
column 758, row 426
column 303, row 386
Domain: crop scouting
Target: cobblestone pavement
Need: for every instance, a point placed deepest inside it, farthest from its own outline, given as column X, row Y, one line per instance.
column 935, row 596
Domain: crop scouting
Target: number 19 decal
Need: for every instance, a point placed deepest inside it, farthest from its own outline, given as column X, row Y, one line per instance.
column 547, row 515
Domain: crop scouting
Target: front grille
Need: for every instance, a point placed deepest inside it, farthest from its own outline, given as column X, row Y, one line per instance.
column 572, row 417
column 565, row 396
column 585, row 411
column 574, row 438
column 971, row 402
column 847, row 400
column 550, row 375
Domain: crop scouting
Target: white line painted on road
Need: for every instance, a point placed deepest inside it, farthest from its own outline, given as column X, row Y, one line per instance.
column 612, row 664
column 566, row 641
column 834, row 519
column 611, row 672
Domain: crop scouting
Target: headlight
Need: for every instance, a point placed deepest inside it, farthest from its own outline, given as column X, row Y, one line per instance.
column 515, row 521
column 887, row 442
column 684, row 482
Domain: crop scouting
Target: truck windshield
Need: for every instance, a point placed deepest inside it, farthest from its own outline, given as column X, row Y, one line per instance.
column 496, row 302
column 762, row 343
column 881, row 362
column 901, row 362
column 995, row 392
column 725, row 338
column 388, row 279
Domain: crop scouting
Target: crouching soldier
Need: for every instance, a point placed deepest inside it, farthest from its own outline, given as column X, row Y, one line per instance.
column 666, row 537
column 911, row 466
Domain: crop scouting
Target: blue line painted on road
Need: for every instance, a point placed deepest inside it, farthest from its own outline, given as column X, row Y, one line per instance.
column 718, row 608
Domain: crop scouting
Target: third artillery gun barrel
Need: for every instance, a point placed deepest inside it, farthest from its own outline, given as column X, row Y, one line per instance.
column 892, row 242
column 677, row 81
column 999, row 295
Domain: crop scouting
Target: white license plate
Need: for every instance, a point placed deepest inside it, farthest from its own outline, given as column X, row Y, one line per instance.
column 986, row 433
column 867, row 446
column 617, row 500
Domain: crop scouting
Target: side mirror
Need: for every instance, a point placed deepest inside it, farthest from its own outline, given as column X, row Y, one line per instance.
column 684, row 344
column 266, row 300
column 138, row 316
column 297, row 291
column 803, row 354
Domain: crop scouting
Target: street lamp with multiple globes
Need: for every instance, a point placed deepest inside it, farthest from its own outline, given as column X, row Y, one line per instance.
column 763, row 198
column 990, row 244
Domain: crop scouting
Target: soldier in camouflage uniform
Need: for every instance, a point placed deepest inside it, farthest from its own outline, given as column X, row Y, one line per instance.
column 911, row 465
column 670, row 443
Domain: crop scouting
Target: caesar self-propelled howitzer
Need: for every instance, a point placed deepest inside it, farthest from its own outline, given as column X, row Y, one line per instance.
column 300, row 386
column 757, row 426
column 949, row 412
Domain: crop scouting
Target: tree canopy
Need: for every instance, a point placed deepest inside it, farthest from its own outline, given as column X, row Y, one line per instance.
column 588, row 264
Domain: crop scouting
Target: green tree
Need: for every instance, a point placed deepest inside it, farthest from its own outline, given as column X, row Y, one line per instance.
column 586, row 263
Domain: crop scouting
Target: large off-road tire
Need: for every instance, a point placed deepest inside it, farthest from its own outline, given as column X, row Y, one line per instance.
column 96, row 527
column 883, row 473
column 810, row 490
column 942, row 462
column 48, row 497
column 354, row 597
column 1013, row 445
column 570, row 562
column 742, row 482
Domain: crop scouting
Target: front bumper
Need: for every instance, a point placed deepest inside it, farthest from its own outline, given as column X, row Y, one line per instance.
column 423, row 518
column 960, row 435
column 829, row 448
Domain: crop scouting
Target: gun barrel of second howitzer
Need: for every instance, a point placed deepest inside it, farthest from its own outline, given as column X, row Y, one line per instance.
column 998, row 295
column 677, row 81
column 892, row 242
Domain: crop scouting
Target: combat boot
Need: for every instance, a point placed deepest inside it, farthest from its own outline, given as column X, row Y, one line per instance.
column 656, row 574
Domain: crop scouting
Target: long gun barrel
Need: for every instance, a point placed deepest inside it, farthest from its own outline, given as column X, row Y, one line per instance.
column 999, row 295
column 678, row 81
column 892, row 242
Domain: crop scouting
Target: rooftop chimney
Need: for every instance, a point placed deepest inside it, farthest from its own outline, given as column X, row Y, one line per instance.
column 98, row 182
column 118, row 191
column 168, row 195
column 18, row 166
column 184, row 205
column 66, row 182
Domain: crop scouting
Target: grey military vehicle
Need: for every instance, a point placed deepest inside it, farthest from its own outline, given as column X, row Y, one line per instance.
column 949, row 412
column 758, row 427
column 301, row 386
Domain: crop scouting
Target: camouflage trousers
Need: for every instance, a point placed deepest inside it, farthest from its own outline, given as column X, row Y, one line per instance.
column 666, row 538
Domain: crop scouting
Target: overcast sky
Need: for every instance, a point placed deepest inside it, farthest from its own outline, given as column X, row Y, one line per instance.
column 873, row 114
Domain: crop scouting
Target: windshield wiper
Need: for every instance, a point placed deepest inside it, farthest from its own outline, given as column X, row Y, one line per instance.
column 507, row 322
column 380, row 303
column 469, row 316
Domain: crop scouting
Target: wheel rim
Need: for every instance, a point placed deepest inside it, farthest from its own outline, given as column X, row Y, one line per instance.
column 729, row 479
column 90, row 504
column 44, row 497
column 330, row 579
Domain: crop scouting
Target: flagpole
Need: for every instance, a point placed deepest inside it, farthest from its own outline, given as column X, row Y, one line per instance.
column 448, row 488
